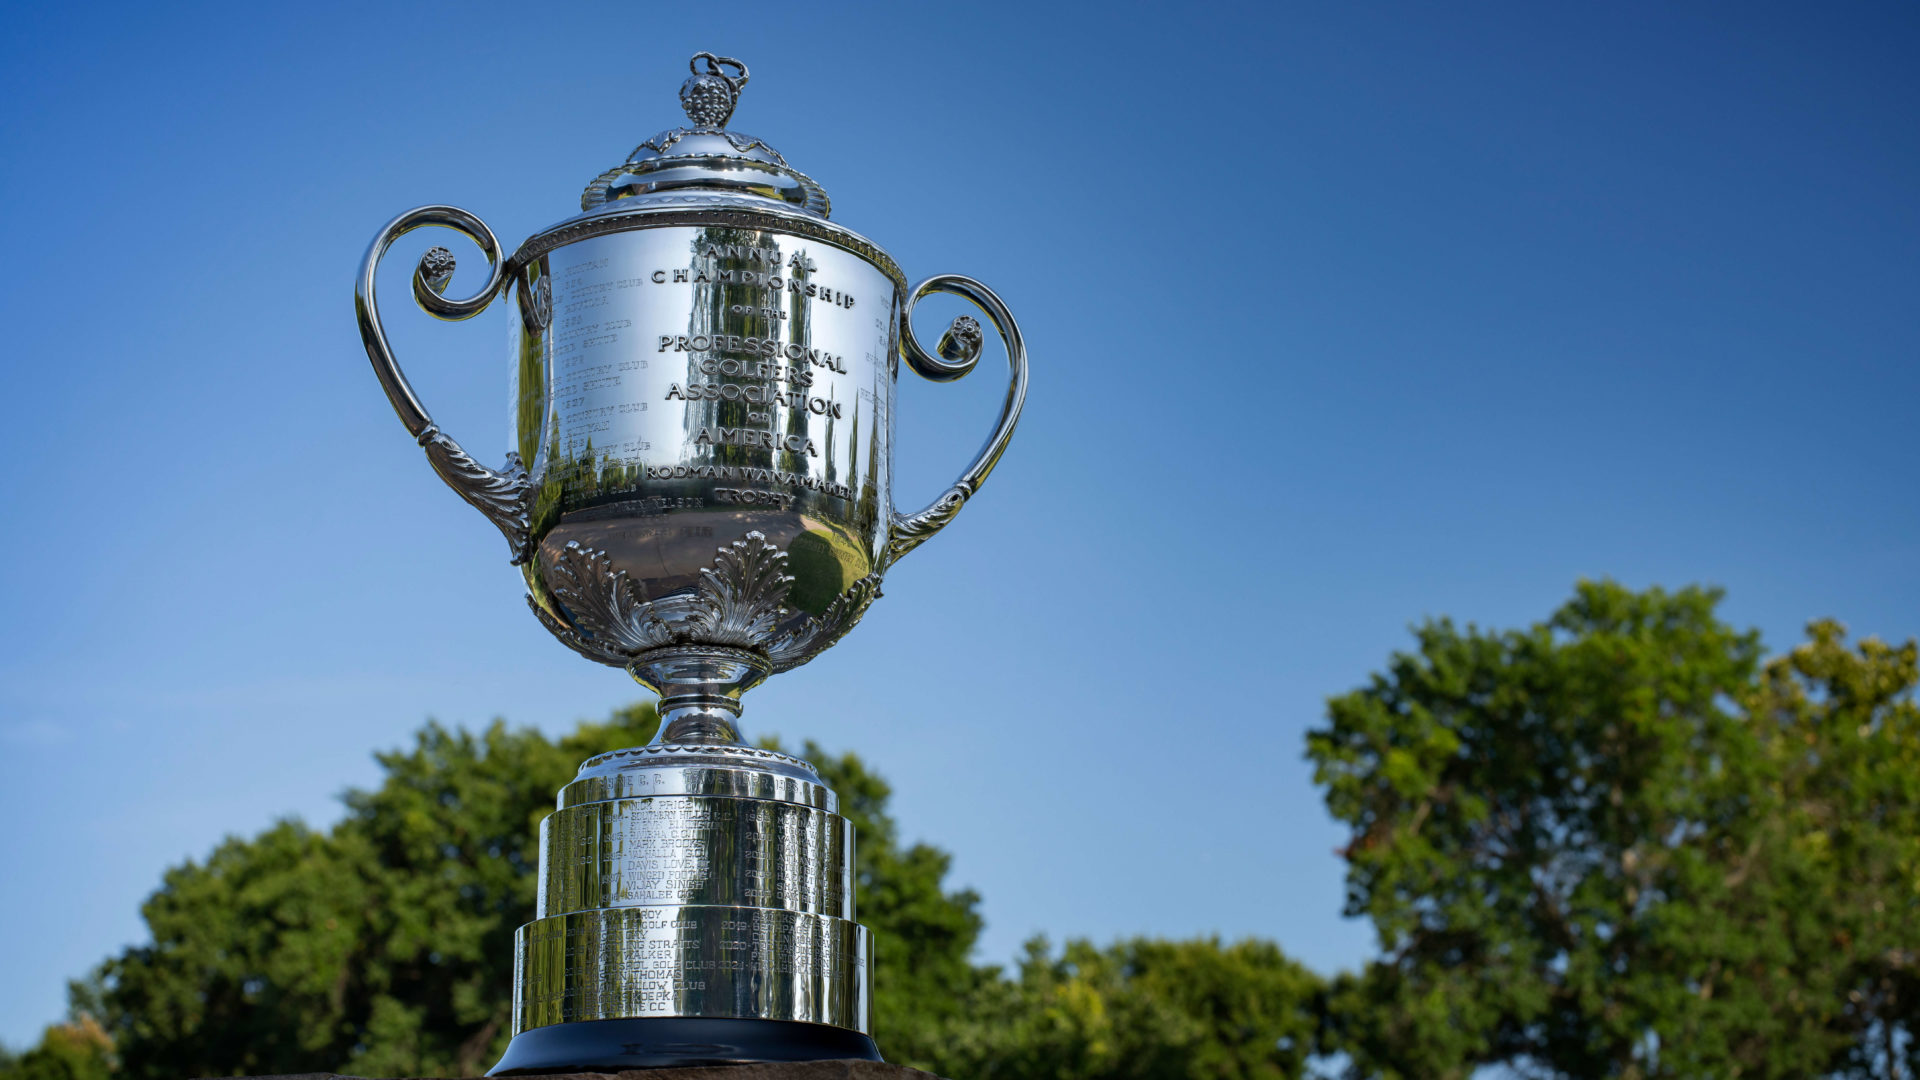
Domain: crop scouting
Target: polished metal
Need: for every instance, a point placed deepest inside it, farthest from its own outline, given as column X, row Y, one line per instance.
column 503, row 495
column 741, row 772
column 694, row 880
column 692, row 961
column 698, row 490
column 671, row 850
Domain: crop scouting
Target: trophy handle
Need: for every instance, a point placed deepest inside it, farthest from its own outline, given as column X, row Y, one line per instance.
column 958, row 351
column 502, row 496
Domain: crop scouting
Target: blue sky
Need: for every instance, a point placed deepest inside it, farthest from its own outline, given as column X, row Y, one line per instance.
column 1341, row 316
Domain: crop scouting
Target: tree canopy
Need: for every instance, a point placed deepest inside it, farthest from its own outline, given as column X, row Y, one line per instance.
column 380, row 947
column 1620, row 843
column 383, row 947
column 1616, row 844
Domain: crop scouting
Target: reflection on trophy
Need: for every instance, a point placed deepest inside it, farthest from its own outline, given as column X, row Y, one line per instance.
column 699, row 492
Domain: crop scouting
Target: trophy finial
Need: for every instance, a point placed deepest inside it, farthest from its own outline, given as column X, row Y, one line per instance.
column 710, row 95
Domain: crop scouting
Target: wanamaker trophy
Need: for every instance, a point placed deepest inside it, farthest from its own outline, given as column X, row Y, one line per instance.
column 698, row 491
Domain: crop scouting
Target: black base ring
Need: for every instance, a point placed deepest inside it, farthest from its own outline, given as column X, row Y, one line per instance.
column 658, row 1042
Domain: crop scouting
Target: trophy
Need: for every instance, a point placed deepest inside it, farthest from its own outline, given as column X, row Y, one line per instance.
column 698, row 491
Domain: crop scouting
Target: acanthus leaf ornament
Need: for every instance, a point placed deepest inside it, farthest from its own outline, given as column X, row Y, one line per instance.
column 594, row 650
column 743, row 595
column 816, row 634
column 608, row 611
column 740, row 603
column 502, row 495
column 911, row 530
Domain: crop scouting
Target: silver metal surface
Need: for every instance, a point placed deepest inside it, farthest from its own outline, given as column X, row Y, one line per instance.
column 739, row 771
column 502, row 496
column 694, row 880
column 706, row 157
column 698, row 490
column 692, row 961
column 696, row 849
column 959, row 351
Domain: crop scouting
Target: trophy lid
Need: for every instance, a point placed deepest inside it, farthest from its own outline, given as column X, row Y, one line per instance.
column 706, row 156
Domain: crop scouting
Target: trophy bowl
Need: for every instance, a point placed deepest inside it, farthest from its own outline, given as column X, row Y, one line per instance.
column 698, row 491
column 703, row 371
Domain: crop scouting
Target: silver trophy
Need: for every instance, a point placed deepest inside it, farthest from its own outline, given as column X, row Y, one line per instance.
column 699, row 491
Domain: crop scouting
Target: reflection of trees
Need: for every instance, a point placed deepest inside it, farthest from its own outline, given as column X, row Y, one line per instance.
column 553, row 487
column 799, row 332
column 583, row 476
column 853, row 449
column 866, row 490
column 530, row 378
column 544, row 514
column 710, row 315
column 534, row 416
column 616, row 477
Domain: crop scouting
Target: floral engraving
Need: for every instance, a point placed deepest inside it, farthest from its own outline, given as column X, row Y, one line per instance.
column 961, row 343
column 740, row 603
column 744, row 594
column 592, row 650
column 911, row 530
column 436, row 268
column 608, row 610
column 502, row 496
column 814, row 636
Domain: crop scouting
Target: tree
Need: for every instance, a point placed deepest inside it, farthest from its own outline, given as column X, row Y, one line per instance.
column 1843, row 732
column 384, row 945
column 1611, row 846
column 1139, row 1010
column 77, row 1050
column 924, row 936
column 1614, row 844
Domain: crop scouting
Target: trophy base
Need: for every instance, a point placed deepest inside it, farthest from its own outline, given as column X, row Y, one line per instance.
column 658, row 1042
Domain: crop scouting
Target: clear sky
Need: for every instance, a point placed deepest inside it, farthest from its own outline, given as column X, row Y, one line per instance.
column 1340, row 316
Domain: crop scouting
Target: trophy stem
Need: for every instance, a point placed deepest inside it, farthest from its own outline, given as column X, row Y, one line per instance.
column 699, row 688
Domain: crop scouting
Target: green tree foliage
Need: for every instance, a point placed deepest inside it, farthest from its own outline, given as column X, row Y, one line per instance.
column 1842, row 734
column 1138, row 1010
column 923, row 935
column 1613, row 845
column 383, row 947
column 78, row 1050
